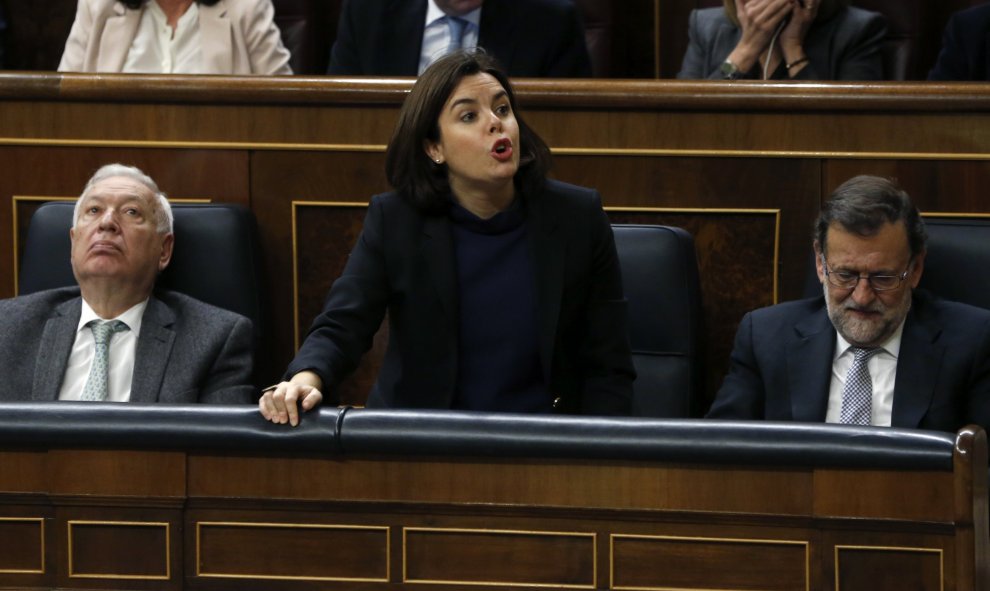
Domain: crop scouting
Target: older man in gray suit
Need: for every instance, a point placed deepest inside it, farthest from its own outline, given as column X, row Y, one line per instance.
column 112, row 338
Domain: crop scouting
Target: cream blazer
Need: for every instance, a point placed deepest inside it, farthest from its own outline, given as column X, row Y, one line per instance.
column 238, row 37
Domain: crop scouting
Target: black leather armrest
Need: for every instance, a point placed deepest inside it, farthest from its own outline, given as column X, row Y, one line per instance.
column 447, row 433
column 330, row 430
column 162, row 426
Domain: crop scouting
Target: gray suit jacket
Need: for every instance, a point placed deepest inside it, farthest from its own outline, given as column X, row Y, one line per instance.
column 187, row 351
column 845, row 47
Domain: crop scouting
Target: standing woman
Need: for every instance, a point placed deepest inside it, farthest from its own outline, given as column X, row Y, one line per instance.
column 502, row 287
column 175, row 37
column 782, row 39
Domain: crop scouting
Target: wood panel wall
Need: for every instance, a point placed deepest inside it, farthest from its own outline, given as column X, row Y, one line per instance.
column 743, row 166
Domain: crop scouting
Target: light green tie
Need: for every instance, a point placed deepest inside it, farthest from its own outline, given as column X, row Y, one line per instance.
column 96, row 384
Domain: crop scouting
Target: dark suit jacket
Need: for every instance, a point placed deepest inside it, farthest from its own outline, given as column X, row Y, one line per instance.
column 530, row 38
column 845, row 47
column 187, row 351
column 404, row 261
column 965, row 47
column 781, row 366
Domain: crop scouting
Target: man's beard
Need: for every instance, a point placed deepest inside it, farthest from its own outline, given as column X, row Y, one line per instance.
column 869, row 332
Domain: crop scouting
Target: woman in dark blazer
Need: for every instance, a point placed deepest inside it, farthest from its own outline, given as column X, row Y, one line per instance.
column 781, row 39
column 502, row 287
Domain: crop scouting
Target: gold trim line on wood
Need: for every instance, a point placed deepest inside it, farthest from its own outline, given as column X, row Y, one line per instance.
column 288, row 146
column 245, row 524
column 558, row 151
column 168, row 550
column 41, row 561
column 781, row 542
column 748, row 211
column 516, row 532
column 294, row 204
column 682, row 152
column 949, row 214
column 939, row 551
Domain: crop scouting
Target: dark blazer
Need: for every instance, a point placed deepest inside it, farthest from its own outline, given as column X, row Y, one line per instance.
column 404, row 261
column 187, row 351
column 530, row 38
column 845, row 47
column 965, row 46
column 781, row 365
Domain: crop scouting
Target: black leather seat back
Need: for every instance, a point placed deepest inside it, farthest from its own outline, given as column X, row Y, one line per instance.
column 661, row 282
column 216, row 257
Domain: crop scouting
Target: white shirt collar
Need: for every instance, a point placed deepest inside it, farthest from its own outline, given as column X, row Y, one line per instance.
column 891, row 346
column 132, row 317
column 433, row 14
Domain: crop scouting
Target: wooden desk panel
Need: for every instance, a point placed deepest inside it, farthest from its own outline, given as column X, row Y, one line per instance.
column 443, row 523
column 692, row 147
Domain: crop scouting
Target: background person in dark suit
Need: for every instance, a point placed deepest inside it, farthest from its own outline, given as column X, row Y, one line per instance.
column 816, row 40
column 928, row 359
column 502, row 287
column 530, row 38
column 164, row 347
column 964, row 46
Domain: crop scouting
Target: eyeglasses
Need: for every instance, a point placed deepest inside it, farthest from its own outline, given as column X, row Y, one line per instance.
column 847, row 280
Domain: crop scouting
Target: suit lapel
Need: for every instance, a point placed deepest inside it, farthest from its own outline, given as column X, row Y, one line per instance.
column 57, row 338
column 406, row 22
column 438, row 251
column 914, row 384
column 548, row 251
column 154, row 347
column 118, row 34
column 214, row 28
column 809, row 367
column 496, row 32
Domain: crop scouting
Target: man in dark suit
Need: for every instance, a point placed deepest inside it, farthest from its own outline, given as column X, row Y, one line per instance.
column 112, row 338
column 873, row 350
column 530, row 38
column 964, row 47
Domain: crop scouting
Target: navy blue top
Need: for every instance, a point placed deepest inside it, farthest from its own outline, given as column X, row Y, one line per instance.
column 498, row 358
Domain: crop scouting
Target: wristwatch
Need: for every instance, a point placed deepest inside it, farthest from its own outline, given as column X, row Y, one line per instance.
column 730, row 71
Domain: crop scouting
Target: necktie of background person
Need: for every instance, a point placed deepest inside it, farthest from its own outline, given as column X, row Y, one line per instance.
column 857, row 395
column 457, row 26
column 96, row 388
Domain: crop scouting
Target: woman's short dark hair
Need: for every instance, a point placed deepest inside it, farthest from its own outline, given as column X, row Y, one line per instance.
column 863, row 204
column 135, row 4
column 409, row 168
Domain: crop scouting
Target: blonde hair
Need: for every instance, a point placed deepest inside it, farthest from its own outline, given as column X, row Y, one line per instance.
column 827, row 10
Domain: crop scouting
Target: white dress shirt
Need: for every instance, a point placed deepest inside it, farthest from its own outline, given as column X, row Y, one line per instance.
column 157, row 49
column 883, row 371
column 436, row 34
column 123, row 347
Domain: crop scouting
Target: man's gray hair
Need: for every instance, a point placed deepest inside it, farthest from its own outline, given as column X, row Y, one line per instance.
column 163, row 211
